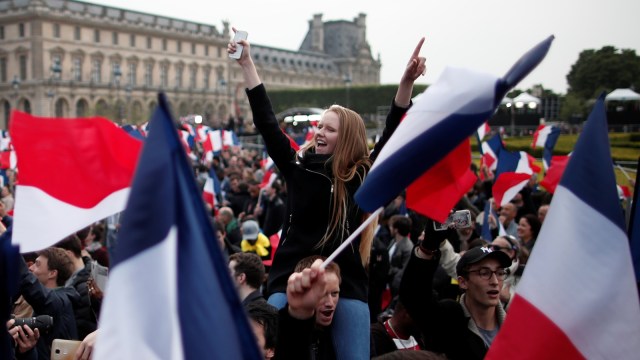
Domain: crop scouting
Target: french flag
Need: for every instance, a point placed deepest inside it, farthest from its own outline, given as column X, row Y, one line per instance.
column 229, row 139
column 578, row 298
column 213, row 142
column 554, row 174
column 483, row 130
column 513, row 173
column 76, row 172
column 209, row 193
column 546, row 137
column 445, row 115
column 490, row 150
column 169, row 283
column 8, row 159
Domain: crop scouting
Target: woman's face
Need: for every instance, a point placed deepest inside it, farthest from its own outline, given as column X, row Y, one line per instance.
column 524, row 229
column 327, row 133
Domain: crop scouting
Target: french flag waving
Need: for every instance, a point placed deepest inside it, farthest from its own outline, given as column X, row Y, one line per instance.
column 578, row 298
column 77, row 171
column 513, row 173
column 546, row 137
column 446, row 114
column 169, row 284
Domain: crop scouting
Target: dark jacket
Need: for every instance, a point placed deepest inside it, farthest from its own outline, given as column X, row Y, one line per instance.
column 301, row 340
column 85, row 318
column 309, row 188
column 57, row 303
column 446, row 325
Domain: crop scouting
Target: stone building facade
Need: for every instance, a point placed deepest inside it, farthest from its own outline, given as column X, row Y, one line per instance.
column 70, row 59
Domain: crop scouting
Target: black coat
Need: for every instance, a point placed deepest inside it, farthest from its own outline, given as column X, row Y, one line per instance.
column 85, row 318
column 57, row 303
column 309, row 188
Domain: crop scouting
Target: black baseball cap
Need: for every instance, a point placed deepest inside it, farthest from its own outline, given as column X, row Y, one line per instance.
column 480, row 253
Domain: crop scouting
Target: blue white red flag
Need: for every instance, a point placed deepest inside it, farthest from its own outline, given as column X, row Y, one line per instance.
column 546, row 137
column 8, row 159
column 79, row 171
column 554, row 174
column 577, row 298
column 490, row 150
column 133, row 131
column 634, row 227
column 169, row 283
column 483, row 130
column 445, row 115
column 513, row 173
column 9, row 257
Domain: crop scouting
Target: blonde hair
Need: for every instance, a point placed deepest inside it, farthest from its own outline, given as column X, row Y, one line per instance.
column 350, row 158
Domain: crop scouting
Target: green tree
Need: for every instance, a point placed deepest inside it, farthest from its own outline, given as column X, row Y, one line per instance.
column 603, row 70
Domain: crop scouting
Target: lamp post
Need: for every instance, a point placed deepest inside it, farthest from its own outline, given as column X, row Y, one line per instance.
column 128, row 90
column 15, row 84
column 56, row 72
column 347, row 84
column 117, row 74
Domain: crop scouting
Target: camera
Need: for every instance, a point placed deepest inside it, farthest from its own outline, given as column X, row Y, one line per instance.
column 42, row 322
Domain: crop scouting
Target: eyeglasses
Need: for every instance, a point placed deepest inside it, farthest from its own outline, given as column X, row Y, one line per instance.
column 486, row 273
column 498, row 247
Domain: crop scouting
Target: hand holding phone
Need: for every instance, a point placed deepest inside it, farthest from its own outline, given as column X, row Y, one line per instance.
column 458, row 220
column 240, row 35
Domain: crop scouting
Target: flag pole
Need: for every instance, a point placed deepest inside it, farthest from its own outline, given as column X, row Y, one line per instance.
column 625, row 173
column 350, row 239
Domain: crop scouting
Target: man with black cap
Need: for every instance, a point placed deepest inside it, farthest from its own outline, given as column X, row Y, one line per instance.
column 464, row 329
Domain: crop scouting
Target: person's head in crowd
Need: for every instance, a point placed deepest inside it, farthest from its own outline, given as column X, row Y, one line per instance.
column 478, row 242
column 509, row 245
column 264, row 322
column 508, row 211
column 528, row 228
column 52, row 267
column 327, row 305
column 225, row 215
column 400, row 226
column 542, row 212
column 247, row 271
column 72, row 245
column 481, row 273
column 234, row 181
column 221, row 233
column 254, row 188
column 6, row 191
column 250, row 230
column 517, row 201
column 274, row 189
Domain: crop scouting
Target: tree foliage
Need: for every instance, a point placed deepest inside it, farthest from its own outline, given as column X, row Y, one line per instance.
column 603, row 70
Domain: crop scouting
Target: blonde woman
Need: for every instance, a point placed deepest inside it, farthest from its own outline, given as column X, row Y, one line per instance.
column 322, row 178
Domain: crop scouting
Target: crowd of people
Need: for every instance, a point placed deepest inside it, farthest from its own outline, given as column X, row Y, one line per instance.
column 403, row 289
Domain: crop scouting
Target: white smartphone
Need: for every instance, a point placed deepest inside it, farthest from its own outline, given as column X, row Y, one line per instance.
column 240, row 35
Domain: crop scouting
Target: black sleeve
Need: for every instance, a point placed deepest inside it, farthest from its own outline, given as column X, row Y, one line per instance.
column 393, row 120
column 294, row 337
column 416, row 290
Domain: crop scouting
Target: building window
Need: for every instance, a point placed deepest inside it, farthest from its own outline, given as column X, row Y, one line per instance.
column 164, row 44
column 179, row 76
column 114, row 38
column 179, row 46
column 56, row 61
column 192, row 77
column 148, row 75
column 96, row 71
column 56, row 30
column 164, row 69
column 76, row 33
column 132, row 74
column 1, row 32
column 205, row 80
column 77, row 69
column 115, row 68
column 3, row 69
column 206, row 50
column 21, row 29
column 96, row 35
column 193, row 48
column 149, row 43
column 219, row 52
column 23, row 67
column 132, row 40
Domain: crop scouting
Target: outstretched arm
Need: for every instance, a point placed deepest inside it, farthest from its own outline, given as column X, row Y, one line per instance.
column 251, row 77
column 415, row 68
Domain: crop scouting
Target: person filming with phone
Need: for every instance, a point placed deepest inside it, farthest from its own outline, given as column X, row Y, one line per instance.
column 321, row 179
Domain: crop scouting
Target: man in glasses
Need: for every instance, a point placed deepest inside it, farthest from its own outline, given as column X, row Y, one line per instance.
column 464, row 329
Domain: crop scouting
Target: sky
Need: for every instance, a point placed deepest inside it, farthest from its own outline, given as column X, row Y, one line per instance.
column 482, row 35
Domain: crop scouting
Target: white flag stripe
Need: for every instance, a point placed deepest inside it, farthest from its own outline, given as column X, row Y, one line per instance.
column 58, row 219
column 458, row 90
column 130, row 311
column 569, row 223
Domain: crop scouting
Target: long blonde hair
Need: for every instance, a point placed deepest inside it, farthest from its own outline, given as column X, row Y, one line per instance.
column 350, row 158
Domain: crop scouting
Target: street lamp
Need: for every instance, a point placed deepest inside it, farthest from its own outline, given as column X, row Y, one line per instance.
column 56, row 72
column 15, row 84
column 347, row 84
column 117, row 74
